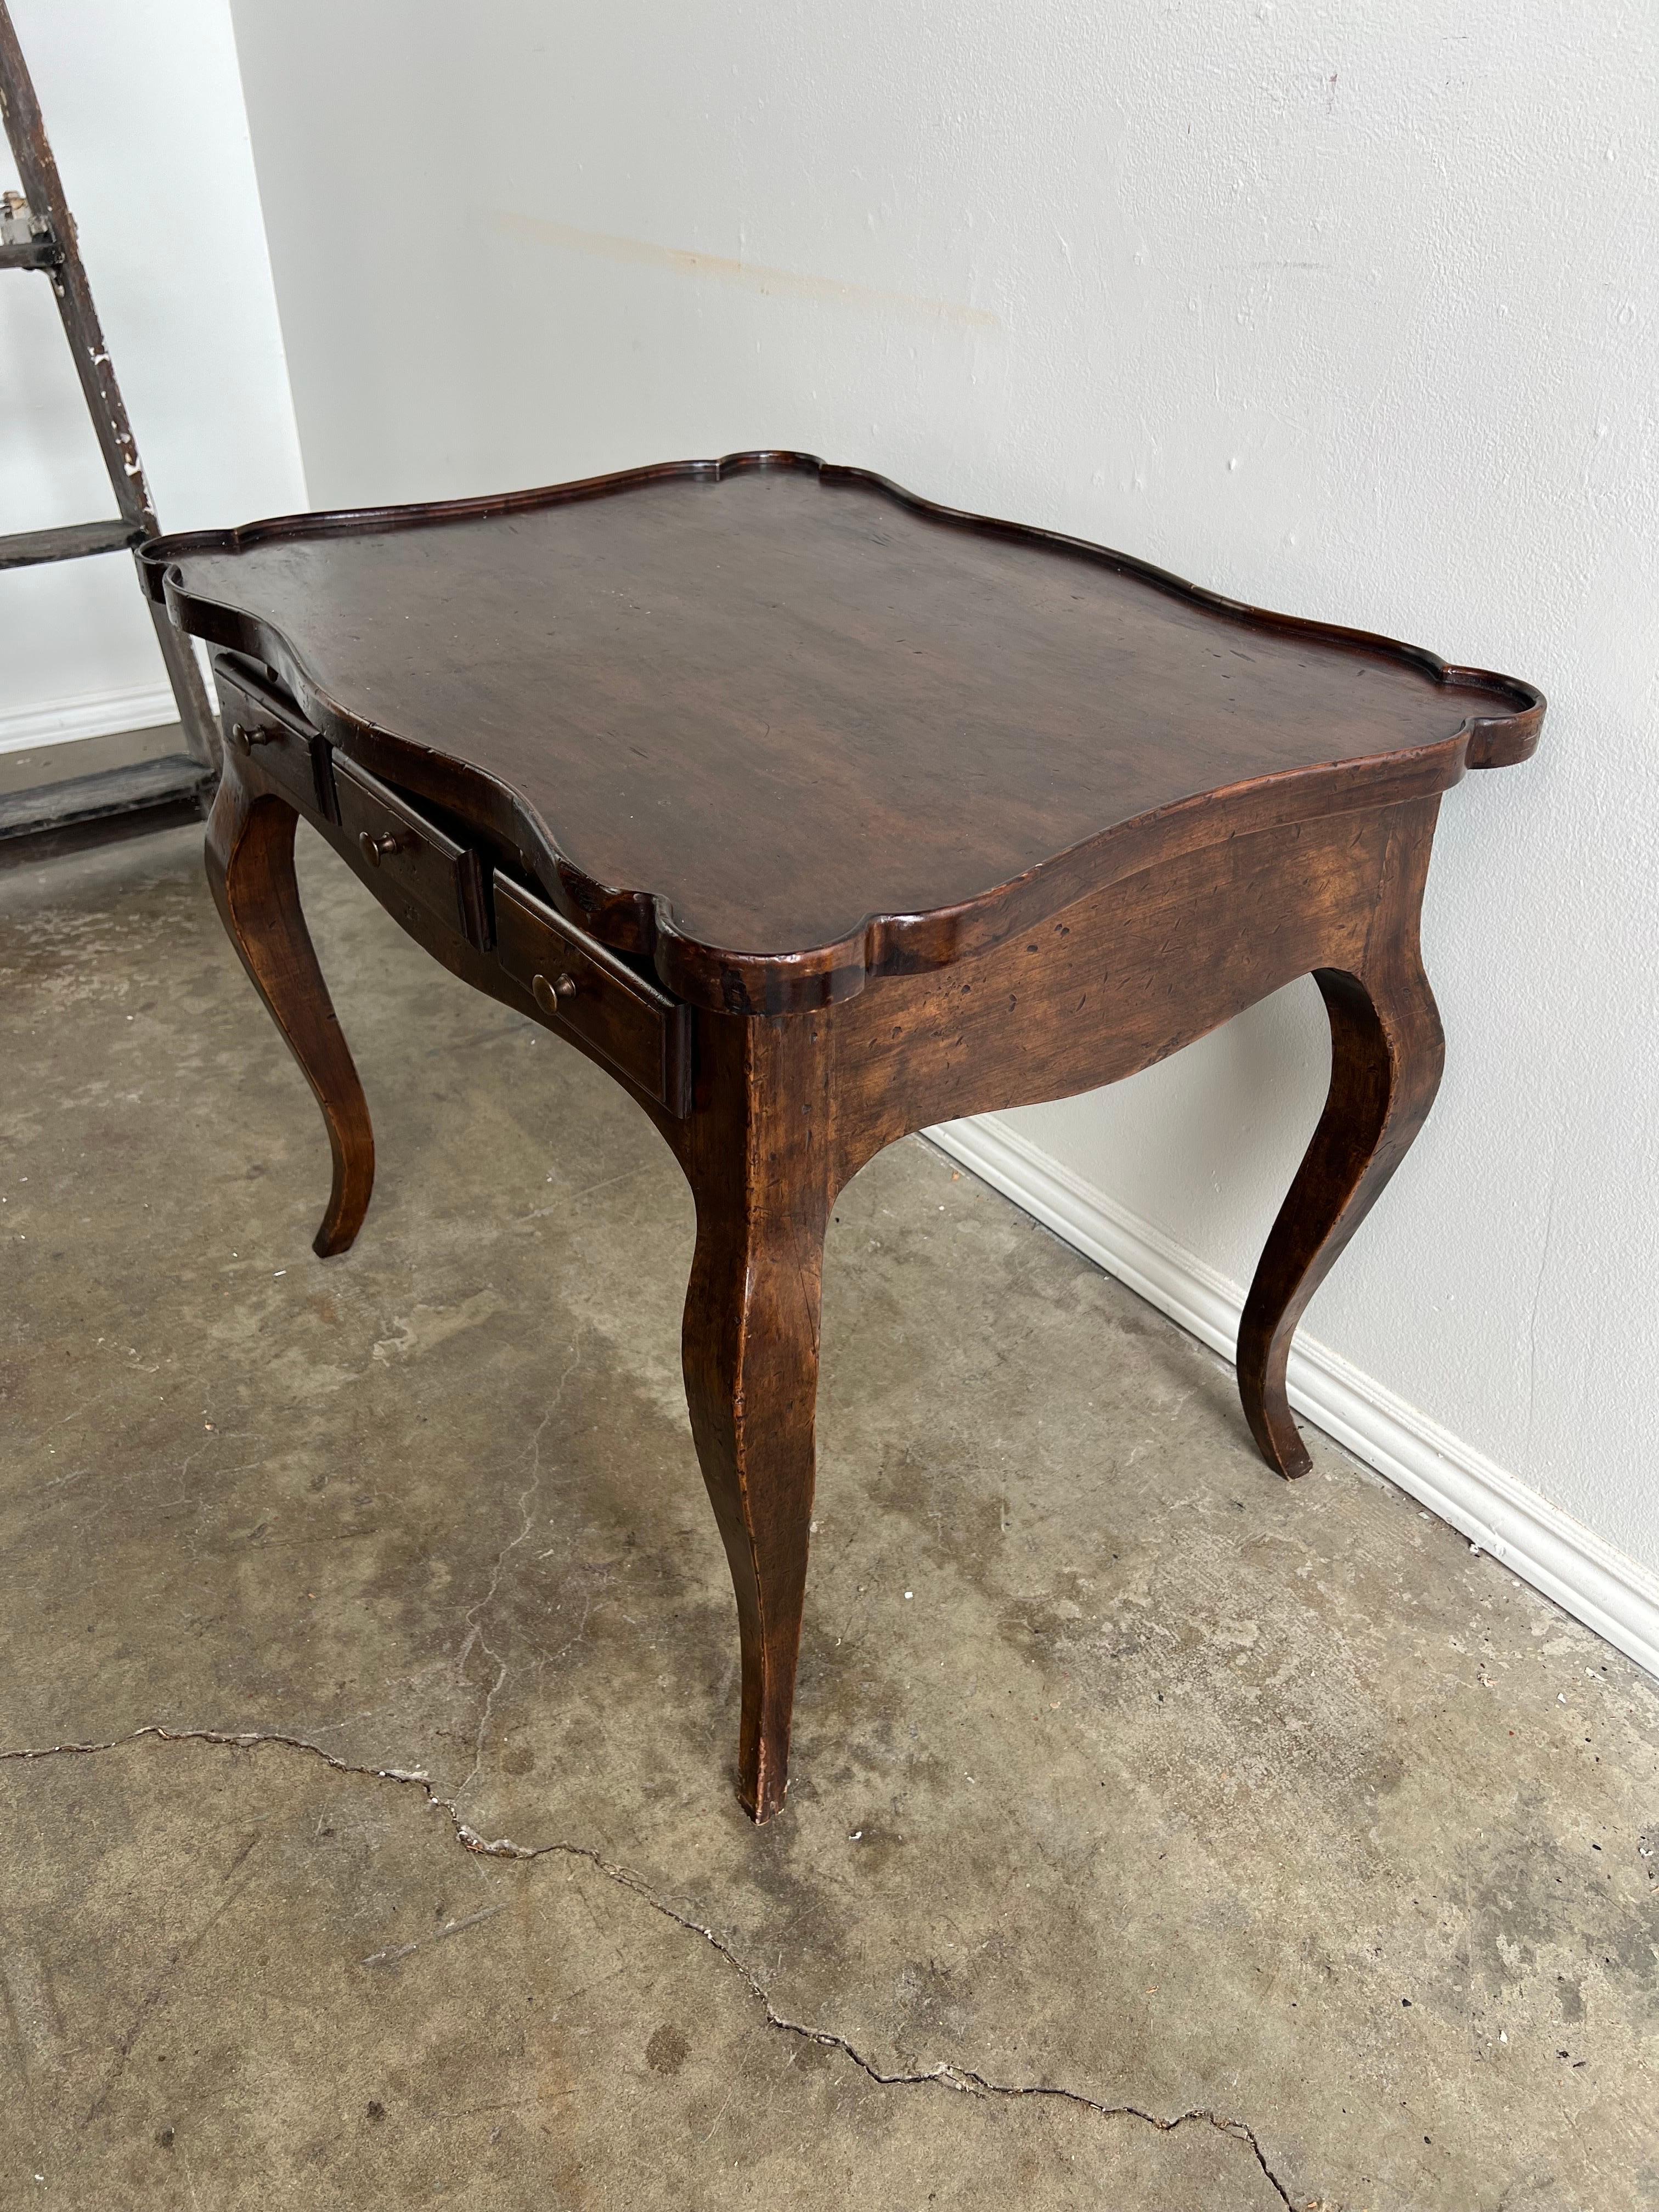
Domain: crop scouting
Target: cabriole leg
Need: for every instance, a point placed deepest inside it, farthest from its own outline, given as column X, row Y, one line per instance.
column 750, row 1350
column 1387, row 1052
column 250, row 869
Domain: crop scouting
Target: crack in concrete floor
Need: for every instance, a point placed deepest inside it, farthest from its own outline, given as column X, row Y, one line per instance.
column 965, row 2081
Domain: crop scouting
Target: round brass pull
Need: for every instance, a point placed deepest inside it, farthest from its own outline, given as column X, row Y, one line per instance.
column 550, row 992
column 375, row 849
column 244, row 740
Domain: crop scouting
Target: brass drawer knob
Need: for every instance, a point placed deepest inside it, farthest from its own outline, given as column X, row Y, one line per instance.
column 375, row 849
column 244, row 740
column 551, row 992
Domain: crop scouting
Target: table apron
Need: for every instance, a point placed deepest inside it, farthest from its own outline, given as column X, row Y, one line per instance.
column 1118, row 980
column 1123, row 977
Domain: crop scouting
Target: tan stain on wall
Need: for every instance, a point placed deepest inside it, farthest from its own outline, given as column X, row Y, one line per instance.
column 757, row 276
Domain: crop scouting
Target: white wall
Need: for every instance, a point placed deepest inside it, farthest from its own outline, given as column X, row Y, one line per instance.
column 144, row 106
column 1345, row 310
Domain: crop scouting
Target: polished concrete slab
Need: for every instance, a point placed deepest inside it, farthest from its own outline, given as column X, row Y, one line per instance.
column 1161, row 1835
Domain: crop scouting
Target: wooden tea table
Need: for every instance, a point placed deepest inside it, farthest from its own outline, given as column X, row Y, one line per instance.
column 814, row 814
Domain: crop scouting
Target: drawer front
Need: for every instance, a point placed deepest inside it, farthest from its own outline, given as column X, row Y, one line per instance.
column 581, row 987
column 412, row 857
column 283, row 750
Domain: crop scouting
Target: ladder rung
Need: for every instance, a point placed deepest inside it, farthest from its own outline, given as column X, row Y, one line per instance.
column 72, row 543
column 35, row 253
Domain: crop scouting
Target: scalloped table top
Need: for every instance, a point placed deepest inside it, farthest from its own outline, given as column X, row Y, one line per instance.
column 744, row 707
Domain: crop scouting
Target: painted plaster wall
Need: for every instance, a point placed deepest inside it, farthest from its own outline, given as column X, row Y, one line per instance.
column 144, row 105
column 1347, row 311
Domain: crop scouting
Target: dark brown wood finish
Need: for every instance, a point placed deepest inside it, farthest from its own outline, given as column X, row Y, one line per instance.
column 815, row 814
column 250, row 868
column 585, row 990
column 661, row 690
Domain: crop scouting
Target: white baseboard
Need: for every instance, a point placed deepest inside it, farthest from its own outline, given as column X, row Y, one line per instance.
column 93, row 714
column 1609, row 1593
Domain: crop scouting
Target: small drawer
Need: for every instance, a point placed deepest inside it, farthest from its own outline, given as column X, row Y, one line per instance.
column 275, row 738
column 582, row 988
column 413, row 859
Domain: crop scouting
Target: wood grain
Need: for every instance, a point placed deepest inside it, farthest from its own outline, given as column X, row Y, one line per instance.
column 1387, row 1053
column 778, row 727
column 250, row 870
column 815, row 815
column 757, row 1159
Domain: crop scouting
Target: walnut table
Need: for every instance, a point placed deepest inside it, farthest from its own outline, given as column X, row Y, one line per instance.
column 814, row 813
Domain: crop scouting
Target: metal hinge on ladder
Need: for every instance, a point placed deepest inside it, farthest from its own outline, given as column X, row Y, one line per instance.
column 37, row 232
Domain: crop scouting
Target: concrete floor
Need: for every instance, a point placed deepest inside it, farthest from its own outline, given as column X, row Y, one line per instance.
column 1161, row 1836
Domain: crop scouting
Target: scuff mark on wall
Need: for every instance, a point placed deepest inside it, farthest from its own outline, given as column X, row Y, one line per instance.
column 641, row 253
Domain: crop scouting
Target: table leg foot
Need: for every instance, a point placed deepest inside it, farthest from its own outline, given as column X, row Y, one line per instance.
column 1387, row 1052
column 250, row 870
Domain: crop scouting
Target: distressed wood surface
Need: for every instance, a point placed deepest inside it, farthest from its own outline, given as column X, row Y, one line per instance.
column 775, row 698
column 779, row 727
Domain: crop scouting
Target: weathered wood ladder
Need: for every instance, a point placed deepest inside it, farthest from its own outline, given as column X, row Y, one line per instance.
column 37, row 232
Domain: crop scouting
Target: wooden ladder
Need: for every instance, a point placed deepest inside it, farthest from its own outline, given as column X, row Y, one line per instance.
column 37, row 232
